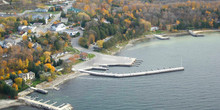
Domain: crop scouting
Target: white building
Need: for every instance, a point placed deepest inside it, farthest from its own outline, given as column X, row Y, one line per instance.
column 8, row 43
column 27, row 76
column 69, row 32
column 58, row 27
column 9, row 82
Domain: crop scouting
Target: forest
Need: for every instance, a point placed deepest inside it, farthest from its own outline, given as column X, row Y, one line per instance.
column 131, row 18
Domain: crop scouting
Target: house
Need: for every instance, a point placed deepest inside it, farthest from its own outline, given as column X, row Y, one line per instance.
column 58, row 27
column 27, row 76
column 41, row 10
column 64, row 20
column 26, row 28
column 9, row 82
column 8, row 43
column 2, row 26
column 154, row 28
column 35, row 45
column 1, row 43
column 69, row 32
column 46, row 17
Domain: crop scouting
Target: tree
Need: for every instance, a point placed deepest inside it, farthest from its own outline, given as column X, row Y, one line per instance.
column 25, row 22
column 30, row 45
column 18, row 81
column 15, row 86
column 25, row 37
column 83, row 42
column 1, row 51
column 19, row 72
column 29, row 31
column 100, row 43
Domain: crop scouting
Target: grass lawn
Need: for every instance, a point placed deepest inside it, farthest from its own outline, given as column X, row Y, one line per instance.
column 90, row 56
column 37, row 81
column 71, row 50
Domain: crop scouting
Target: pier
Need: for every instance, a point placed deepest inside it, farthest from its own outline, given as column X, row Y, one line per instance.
column 39, row 90
column 44, row 105
column 116, row 75
column 195, row 34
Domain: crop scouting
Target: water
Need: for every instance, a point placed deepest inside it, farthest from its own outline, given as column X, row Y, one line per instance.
column 195, row 88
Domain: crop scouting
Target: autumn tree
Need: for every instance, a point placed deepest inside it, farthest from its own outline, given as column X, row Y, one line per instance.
column 15, row 86
column 18, row 81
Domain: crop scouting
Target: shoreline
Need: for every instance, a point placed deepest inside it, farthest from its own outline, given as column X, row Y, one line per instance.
column 6, row 103
column 63, row 78
column 150, row 36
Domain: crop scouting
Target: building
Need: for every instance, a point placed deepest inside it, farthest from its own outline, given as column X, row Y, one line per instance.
column 2, row 26
column 69, row 32
column 154, row 28
column 8, row 43
column 9, row 82
column 58, row 27
column 41, row 10
column 26, row 28
column 46, row 17
column 27, row 76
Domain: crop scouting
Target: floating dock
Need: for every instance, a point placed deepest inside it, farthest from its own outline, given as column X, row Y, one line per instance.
column 116, row 75
column 161, row 37
column 43, row 105
column 195, row 34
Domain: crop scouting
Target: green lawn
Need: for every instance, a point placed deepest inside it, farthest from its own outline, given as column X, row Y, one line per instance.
column 37, row 81
column 90, row 56
column 72, row 50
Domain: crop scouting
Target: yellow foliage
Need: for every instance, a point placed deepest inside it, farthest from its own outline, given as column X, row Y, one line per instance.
column 1, row 78
column 49, row 66
column 18, row 81
column 7, row 76
column 19, row 72
column 29, row 31
column 25, row 37
column 15, row 86
column 25, row 22
column 30, row 45
column 100, row 43
column 13, row 73
column 25, row 71
column 177, row 22
column 47, row 56
column 38, row 63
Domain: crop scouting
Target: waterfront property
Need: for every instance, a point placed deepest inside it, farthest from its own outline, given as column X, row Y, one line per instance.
column 27, row 76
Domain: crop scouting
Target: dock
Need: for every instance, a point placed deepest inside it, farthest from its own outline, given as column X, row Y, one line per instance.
column 39, row 90
column 161, row 37
column 195, row 34
column 44, row 105
column 116, row 75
